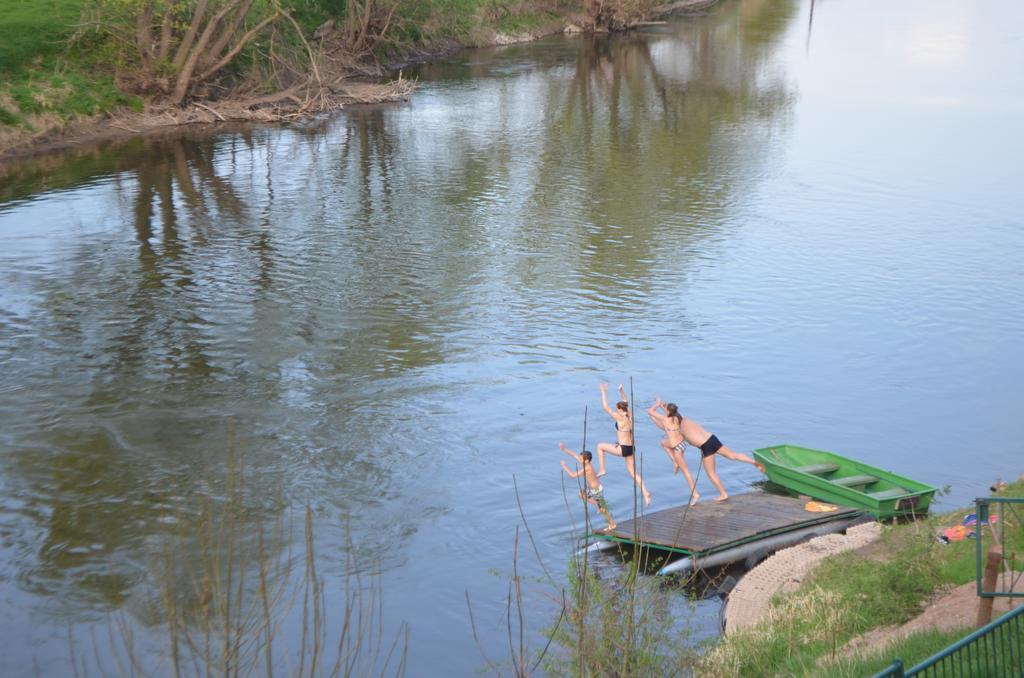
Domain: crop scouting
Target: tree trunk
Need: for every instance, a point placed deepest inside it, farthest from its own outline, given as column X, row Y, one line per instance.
column 144, row 35
column 184, row 80
column 190, row 36
column 239, row 46
column 222, row 41
column 166, row 31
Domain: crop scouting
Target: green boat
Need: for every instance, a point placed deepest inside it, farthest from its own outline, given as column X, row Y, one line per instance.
column 839, row 480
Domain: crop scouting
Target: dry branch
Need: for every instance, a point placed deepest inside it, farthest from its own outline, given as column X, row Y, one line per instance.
column 204, row 106
column 182, row 52
column 309, row 50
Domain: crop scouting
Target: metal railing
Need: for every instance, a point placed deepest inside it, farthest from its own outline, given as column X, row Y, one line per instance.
column 1005, row 507
column 996, row 649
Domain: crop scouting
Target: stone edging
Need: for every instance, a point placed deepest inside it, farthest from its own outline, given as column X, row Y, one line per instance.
column 785, row 570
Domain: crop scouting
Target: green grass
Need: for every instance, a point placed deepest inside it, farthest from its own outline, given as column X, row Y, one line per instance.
column 979, row 661
column 523, row 23
column 848, row 595
column 472, row 21
column 912, row 650
column 852, row 593
column 61, row 89
column 34, row 29
column 881, row 594
column 41, row 76
column 618, row 624
column 8, row 118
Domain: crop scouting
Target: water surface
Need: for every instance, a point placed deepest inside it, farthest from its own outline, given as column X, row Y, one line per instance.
column 800, row 221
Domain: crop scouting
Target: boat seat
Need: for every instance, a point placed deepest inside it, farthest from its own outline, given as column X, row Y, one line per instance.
column 818, row 469
column 852, row 481
column 889, row 494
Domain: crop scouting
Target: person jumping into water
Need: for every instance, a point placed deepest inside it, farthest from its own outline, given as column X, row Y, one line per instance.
column 709, row 444
column 593, row 493
column 673, row 444
column 624, row 432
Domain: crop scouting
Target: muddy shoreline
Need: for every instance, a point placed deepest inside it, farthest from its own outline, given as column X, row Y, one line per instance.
column 93, row 133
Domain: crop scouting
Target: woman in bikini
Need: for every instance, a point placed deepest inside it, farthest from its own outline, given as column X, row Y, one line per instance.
column 696, row 435
column 671, row 423
column 624, row 432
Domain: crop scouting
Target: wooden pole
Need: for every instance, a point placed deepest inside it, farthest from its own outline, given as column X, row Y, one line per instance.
column 995, row 559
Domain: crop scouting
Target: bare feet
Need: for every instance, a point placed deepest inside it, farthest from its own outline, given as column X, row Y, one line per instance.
column 647, row 499
column 695, row 498
column 760, row 466
column 721, row 497
column 601, row 473
column 612, row 526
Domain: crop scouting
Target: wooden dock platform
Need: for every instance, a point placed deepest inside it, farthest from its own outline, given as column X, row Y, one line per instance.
column 710, row 527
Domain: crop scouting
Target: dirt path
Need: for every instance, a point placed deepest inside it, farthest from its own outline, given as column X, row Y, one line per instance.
column 785, row 570
column 953, row 609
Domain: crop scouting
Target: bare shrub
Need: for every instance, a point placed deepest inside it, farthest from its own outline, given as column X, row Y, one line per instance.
column 182, row 51
column 239, row 595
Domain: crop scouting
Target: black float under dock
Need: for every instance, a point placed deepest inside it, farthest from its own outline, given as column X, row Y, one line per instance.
column 711, row 528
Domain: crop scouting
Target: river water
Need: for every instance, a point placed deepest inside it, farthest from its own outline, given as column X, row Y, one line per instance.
column 800, row 221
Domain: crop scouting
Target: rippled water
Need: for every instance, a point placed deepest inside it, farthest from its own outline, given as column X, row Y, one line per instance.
column 800, row 221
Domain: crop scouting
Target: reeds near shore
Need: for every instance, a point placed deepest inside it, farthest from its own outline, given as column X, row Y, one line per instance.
column 609, row 619
column 240, row 595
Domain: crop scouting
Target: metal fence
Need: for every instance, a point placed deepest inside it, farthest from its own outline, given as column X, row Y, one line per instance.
column 999, row 514
column 996, row 649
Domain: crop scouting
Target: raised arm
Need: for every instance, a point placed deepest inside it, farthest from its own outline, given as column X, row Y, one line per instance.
column 578, row 458
column 604, row 399
column 571, row 474
column 659, row 420
column 625, row 399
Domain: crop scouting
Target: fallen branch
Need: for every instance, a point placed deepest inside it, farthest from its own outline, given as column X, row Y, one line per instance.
column 205, row 107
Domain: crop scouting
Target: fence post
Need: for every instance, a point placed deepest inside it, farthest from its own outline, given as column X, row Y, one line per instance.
column 995, row 559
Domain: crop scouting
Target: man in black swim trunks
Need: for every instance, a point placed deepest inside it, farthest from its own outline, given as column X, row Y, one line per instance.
column 709, row 444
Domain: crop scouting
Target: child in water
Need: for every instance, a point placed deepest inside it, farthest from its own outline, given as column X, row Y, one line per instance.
column 593, row 493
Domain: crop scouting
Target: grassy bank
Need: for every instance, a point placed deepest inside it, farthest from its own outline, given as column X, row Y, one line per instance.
column 879, row 587
column 67, row 61
column 479, row 22
column 42, row 84
column 34, row 29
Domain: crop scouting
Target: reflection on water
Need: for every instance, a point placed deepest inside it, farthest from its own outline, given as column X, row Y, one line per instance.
column 393, row 310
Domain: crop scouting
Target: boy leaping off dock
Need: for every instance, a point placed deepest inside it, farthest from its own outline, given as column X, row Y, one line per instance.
column 593, row 493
